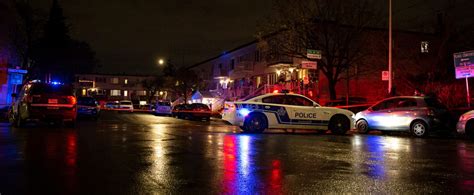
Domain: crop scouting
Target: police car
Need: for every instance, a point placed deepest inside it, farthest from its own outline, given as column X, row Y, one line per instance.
column 286, row 111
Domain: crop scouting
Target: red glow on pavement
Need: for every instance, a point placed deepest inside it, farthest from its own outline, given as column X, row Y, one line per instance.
column 276, row 178
column 230, row 164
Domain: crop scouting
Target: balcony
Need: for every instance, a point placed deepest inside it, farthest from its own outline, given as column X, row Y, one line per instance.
column 241, row 70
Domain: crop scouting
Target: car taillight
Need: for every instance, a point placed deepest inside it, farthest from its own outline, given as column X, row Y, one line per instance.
column 72, row 99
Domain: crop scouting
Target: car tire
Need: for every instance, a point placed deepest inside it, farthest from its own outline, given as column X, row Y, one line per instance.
column 255, row 123
column 339, row 124
column 362, row 126
column 419, row 128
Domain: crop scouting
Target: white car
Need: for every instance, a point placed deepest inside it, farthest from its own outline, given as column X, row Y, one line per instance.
column 126, row 105
column 286, row 111
column 466, row 124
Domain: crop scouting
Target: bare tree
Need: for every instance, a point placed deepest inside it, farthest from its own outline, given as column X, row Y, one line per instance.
column 336, row 27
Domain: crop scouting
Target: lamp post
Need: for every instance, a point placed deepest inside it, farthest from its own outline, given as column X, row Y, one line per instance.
column 390, row 46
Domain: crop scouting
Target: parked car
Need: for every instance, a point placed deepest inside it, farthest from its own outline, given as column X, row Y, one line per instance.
column 416, row 114
column 48, row 102
column 465, row 124
column 126, row 105
column 112, row 105
column 192, row 111
column 286, row 111
column 88, row 107
column 163, row 108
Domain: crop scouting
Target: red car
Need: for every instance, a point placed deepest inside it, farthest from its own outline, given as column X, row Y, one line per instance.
column 192, row 111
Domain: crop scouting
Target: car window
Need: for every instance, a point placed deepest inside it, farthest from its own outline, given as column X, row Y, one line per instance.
column 87, row 101
column 164, row 104
column 386, row 104
column 276, row 99
column 434, row 103
column 41, row 88
column 406, row 102
column 126, row 103
column 298, row 101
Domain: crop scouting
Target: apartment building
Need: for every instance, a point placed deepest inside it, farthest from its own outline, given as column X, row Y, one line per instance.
column 112, row 86
column 256, row 68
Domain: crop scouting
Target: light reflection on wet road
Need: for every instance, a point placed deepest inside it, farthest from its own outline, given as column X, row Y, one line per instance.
column 138, row 153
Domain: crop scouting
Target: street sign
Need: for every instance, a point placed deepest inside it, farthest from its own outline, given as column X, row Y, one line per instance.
column 464, row 64
column 385, row 75
column 309, row 65
column 313, row 54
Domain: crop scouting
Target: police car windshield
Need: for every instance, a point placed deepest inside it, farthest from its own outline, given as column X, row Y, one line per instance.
column 87, row 101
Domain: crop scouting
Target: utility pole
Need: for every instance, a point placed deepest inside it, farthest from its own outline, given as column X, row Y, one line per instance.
column 390, row 47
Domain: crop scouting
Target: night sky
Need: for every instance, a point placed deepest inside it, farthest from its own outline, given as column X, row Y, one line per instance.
column 129, row 35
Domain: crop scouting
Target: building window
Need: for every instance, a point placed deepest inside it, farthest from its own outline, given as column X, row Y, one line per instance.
column 232, row 64
column 114, row 92
column 257, row 56
column 220, row 66
column 125, row 81
column 125, row 93
column 115, row 80
column 425, row 46
column 141, row 93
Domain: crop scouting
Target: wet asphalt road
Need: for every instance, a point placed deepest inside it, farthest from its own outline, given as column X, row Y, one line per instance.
column 146, row 154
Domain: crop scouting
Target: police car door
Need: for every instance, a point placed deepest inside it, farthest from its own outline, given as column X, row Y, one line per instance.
column 302, row 112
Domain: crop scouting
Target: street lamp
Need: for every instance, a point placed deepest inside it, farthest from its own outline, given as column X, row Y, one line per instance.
column 161, row 61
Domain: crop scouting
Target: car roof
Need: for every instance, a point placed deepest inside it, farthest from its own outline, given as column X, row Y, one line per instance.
column 274, row 94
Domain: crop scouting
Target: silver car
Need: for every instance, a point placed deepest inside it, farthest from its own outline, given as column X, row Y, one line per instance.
column 416, row 114
column 466, row 124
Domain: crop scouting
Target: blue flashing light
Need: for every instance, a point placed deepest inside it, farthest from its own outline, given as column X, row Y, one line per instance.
column 55, row 83
column 244, row 112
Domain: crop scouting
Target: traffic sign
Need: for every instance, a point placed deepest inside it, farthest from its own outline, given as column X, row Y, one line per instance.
column 313, row 54
column 309, row 65
column 464, row 64
column 385, row 75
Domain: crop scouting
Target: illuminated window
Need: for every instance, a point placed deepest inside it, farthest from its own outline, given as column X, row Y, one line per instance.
column 424, row 46
column 84, row 92
column 114, row 92
column 115, row 80
column 125, row 93
column 126, row 81
column 141, row 93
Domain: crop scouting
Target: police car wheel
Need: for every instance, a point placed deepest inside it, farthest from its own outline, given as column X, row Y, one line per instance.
column 362, row 126
column 339, row 124
column 255, row 123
